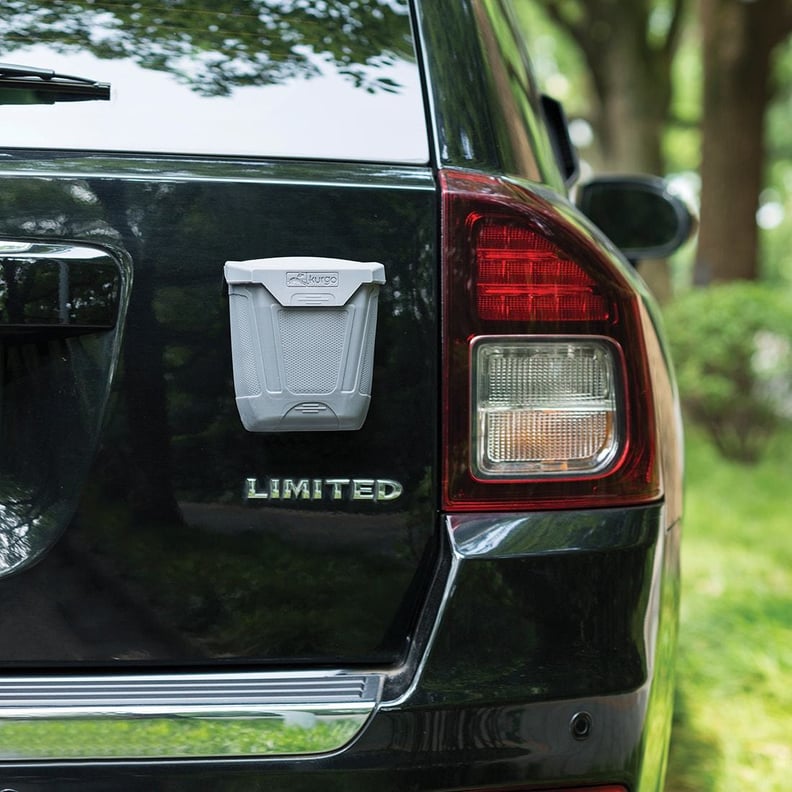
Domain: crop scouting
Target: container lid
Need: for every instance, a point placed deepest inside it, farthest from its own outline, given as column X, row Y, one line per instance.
column 304, row 281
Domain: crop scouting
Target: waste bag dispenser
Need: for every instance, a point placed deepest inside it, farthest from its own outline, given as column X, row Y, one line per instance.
column 302, row 341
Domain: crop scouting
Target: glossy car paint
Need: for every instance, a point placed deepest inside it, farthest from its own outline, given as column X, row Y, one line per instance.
column 197, row 571
column 497, row 635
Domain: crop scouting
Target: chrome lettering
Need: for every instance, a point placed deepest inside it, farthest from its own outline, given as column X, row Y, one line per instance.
column 252, row 491
column 363, row 489
column 388, row 490
column 300, row 490
column 337, row 485
column 335, row 489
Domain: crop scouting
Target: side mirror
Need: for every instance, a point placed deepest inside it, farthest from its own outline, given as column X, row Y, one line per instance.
column 638, row 213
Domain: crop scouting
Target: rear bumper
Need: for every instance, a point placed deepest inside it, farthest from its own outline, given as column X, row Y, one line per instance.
column 545, row 659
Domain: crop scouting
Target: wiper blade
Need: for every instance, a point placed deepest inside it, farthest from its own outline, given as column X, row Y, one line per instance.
column 31, row 85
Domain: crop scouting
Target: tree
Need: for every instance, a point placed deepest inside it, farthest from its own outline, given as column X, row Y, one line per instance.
column 216, row 45
column 739, row 40
column 628, row 49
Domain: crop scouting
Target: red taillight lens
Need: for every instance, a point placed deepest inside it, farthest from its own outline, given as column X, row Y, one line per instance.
column 547, row 400
column 521, row 276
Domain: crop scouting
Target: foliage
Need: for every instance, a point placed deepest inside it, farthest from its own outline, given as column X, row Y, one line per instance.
column 629, row 80
column 187, row 736
column 216, row 45
column 734, row 665
column 732, row 346
column 564, row 73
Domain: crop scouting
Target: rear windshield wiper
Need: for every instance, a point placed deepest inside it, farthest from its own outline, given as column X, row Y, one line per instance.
column 30, row 85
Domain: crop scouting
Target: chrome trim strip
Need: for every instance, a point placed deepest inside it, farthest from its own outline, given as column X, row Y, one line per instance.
column 71, row 165
column 177, row 716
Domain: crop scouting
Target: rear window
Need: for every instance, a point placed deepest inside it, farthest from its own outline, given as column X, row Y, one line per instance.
column 334, row 79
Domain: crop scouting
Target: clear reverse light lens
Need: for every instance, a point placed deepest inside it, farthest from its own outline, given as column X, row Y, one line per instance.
column 544, row 407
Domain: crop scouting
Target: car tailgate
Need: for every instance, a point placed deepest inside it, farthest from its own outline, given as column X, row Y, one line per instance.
column 142, row 523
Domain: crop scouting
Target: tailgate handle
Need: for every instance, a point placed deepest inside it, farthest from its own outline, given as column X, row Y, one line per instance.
column 69, row 289
column 61, row 311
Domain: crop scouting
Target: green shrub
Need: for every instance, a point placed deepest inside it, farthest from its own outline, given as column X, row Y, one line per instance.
column 732, row 346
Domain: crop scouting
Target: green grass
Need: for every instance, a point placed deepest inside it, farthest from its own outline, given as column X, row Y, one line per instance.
column 181, row 737
column 733, row 722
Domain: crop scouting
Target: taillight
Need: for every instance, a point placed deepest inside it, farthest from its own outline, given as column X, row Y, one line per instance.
column 547, row 400
column 544, row 407
column 521, row 276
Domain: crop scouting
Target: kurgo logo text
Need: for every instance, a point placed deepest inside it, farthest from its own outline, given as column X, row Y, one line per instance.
column 318, row 489
column 307, row 279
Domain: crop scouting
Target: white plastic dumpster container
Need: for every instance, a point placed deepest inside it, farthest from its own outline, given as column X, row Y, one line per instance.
column 302, row 341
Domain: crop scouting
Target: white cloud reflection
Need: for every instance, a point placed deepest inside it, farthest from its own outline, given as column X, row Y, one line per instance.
column 322, row 117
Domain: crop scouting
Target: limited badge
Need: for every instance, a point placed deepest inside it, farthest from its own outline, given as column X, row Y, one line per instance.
column 317, row 489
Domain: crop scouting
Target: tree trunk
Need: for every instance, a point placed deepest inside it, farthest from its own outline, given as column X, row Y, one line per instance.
column 631, row 71
column 738, row 41
column 633, row 84
column 634, row 94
